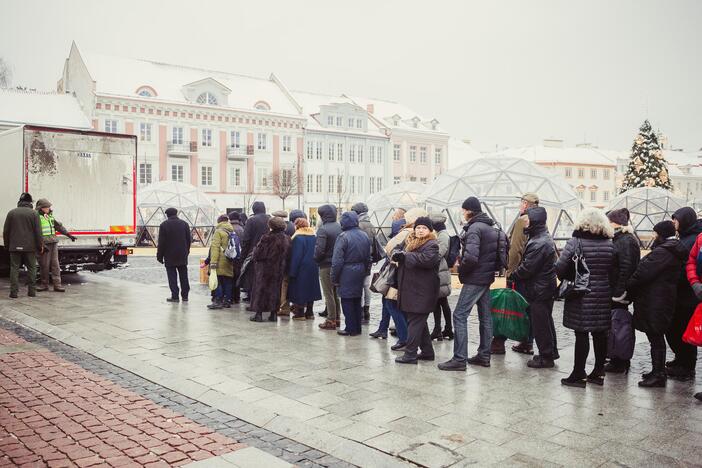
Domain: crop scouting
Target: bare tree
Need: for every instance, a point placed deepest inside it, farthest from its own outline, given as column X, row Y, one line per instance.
column 285, row 182
column 341, row 193
column 5, row 74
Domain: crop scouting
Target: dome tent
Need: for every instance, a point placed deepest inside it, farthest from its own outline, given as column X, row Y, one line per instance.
column 499, row 182
column 647, row 206
column 382, row 205
column 194, row 207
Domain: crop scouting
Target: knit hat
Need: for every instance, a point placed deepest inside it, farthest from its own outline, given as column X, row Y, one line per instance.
column 26, row 197
column 280, row 214
column 424, row 221
column 472, row 204
column 277, row 224
column 620, row 216
column 234, row 216
column 664, row 229
column 43, row 203
column 171, row 212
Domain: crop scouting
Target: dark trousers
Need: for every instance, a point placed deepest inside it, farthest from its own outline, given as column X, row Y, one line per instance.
column 543, row 328
column 173, row 273
column 30, row 261
column 685, row 354
column 418, row 335
column 582, row 349
column 224, row 288
column 657, row 341
column 442, row 305
column 353, row 312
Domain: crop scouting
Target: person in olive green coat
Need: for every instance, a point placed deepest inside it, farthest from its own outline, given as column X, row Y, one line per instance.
column 221, row 265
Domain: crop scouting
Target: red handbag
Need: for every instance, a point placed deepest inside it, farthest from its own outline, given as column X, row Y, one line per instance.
column 693, row 332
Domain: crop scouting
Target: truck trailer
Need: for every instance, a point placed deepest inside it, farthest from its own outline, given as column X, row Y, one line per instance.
column 90, row 179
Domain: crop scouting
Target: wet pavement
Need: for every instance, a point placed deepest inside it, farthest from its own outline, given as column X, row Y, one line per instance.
column 344, row 399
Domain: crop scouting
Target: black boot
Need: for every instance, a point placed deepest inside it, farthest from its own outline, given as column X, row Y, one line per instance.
column 273, row 317
column 366, row 314
column 575, row 380
column 616, row 366
column 257, row 318
column 657, row 377
column 448, row 333
column 437, row 335
column 216, row 304
column 309, row 312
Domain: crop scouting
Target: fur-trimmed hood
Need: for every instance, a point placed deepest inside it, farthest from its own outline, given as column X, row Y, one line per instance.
column 305, row 231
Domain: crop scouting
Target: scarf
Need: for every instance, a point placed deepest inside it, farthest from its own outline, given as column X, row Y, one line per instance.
column 413, row 242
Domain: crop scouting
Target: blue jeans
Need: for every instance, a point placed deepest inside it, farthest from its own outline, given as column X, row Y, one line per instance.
column 472, row 294
column 353, row 312
column 390, row 310
column 224, row 288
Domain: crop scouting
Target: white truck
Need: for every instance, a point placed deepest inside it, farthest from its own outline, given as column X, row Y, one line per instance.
column 90, row 179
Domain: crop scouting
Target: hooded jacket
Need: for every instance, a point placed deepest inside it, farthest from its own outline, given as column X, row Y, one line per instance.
column 689, row 228
column 326, row 236
column 303, row 271
column 256, row 226
column 536, row 271
column 479, row 247
column 364, row 222
column 351, row 261
column 174, row 241
column 22, row 230
column 443, row 240
column 220, row 241
column 627, row 254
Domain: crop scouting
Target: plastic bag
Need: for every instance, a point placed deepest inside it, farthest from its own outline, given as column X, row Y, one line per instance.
column 693, row 332
column 213, row 280
column 509, row 314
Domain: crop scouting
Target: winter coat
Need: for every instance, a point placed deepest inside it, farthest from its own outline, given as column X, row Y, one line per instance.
column 653, row 286
column 394, row 244
column 303, row 272
column 627, row 255
column 536, row 272
column 220, row 242
column 689, row 230
column 22, row 230
column 418, row 279
column 326, row 236
column 351, row 262
column 256, row 226
column 270, row 259
column 479, row 248
column 443, row 239
column 396, row 227
column 57, row 226
column 174, row 241
column 517, row 244
column 692, row 267
column 591, row 312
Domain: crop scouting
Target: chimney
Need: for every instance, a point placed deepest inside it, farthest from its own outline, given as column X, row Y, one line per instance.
column 370, row 108
column 553, row 143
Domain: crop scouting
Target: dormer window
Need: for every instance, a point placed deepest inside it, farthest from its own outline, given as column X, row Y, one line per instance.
column 434, row 123
column 146, row 91
column 262, row 106
column 396, row 120
column 207, row 98
column 415, row 122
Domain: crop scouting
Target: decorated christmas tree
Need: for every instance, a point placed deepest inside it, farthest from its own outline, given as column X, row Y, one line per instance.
column 647, row 166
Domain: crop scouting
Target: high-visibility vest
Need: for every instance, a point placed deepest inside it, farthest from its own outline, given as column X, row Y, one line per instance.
column 47, row 225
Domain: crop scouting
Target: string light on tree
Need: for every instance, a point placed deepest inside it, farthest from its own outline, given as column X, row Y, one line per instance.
column 647, row 166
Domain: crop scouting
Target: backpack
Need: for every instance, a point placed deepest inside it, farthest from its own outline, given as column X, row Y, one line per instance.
column 454, row 251
column 233, row 250
column 502, row 257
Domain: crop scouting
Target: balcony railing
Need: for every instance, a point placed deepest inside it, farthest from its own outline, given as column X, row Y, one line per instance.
column 186, row 147
column 240, row 153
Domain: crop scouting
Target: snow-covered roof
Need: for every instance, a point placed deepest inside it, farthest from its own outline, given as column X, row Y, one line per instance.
column 48, row 109
column 389, row 112
column 683, row 158
column 124, row 76
column 460, row 153
column 563, row 155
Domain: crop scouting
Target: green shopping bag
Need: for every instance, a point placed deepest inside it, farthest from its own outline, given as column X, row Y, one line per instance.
column 509, row 314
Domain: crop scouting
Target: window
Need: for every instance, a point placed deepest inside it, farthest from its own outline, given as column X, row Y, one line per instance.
column 262, row 140
column 236, row 139
column 360, row 154
column 423, row 180
column 318, row 184
column 262, row 177
column 206, row 176
column 111, row 126
column 339, row 151
column 569, row 172
column 395, row 180
column 605, row 174
column 413, row 179
column 580, row 194
column 593, row 173
column 360, row 184
column 371, row 188
column 177, row 172
column 330, row 120
column 287, row 143
column 145, row 131
column 207, row 98
column 395, row 152
column 262, row 106
column 350, row 122
column 593, row 196
column 177, row 136
column 339, row 121
column 380, row 155
column 310, row 182
column 319, row 150
column 437, row 156
column 352, row 153
column 331, row 151
column 379, row 184
column 145, row 91
column 413, row 154
column 310, row 150
column 206, row 137
column 581, row 172
column 605, row 196
column 372, row 154
column 145, row 173
column 236, row 177
column 359, row 123
column 423, row 154
column 352, row 184
column 330, row 187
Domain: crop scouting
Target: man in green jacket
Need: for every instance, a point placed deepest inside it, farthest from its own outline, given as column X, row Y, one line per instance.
column 48, row 260
column 22, row 239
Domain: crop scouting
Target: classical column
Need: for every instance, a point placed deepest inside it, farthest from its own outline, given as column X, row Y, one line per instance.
column 222, row 161
column 193, row 159
column 162, row 153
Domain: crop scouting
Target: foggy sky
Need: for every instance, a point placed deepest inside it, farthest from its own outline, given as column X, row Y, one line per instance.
column 496, row 72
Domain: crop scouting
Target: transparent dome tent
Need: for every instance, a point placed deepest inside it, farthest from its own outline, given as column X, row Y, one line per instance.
column 194, row 207
column 647, row 206
column 383, row 204
column 499, row 182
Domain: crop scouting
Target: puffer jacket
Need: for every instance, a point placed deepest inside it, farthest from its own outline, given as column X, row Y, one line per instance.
column 591, row 312
column 536, row 271
column 444, row 240
column 653, row 286
column 220, row 241
column 418, row 279
column 327, row 234
column 689, row 228
column 627, row 254
column 479, row 247
column 256, row 226
column 351, row 262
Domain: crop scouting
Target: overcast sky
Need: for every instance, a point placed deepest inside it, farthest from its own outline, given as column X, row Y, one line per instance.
column 496, row 72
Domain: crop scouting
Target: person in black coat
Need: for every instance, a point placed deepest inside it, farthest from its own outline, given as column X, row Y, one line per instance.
column 537, row 275
column 653, row 287
column 254, row 228
column 270, row 259
column 589, row 314
column 683, row 366
column 323, row 252
column 418, row 288
column 174, row 241
column 627, row 253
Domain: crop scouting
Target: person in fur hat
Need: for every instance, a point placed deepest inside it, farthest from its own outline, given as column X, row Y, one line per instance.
column 270, row 258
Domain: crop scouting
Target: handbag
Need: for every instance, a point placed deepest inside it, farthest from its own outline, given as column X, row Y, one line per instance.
column 509, row 314
column 580, row 284
column 621, row 340
column 385, row 279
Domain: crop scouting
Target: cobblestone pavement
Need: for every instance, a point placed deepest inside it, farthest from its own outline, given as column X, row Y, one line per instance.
column 345, row 397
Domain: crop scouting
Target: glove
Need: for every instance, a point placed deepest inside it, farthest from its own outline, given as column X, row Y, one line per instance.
column 398, row 257
column 697, row 288
column 72, row 237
